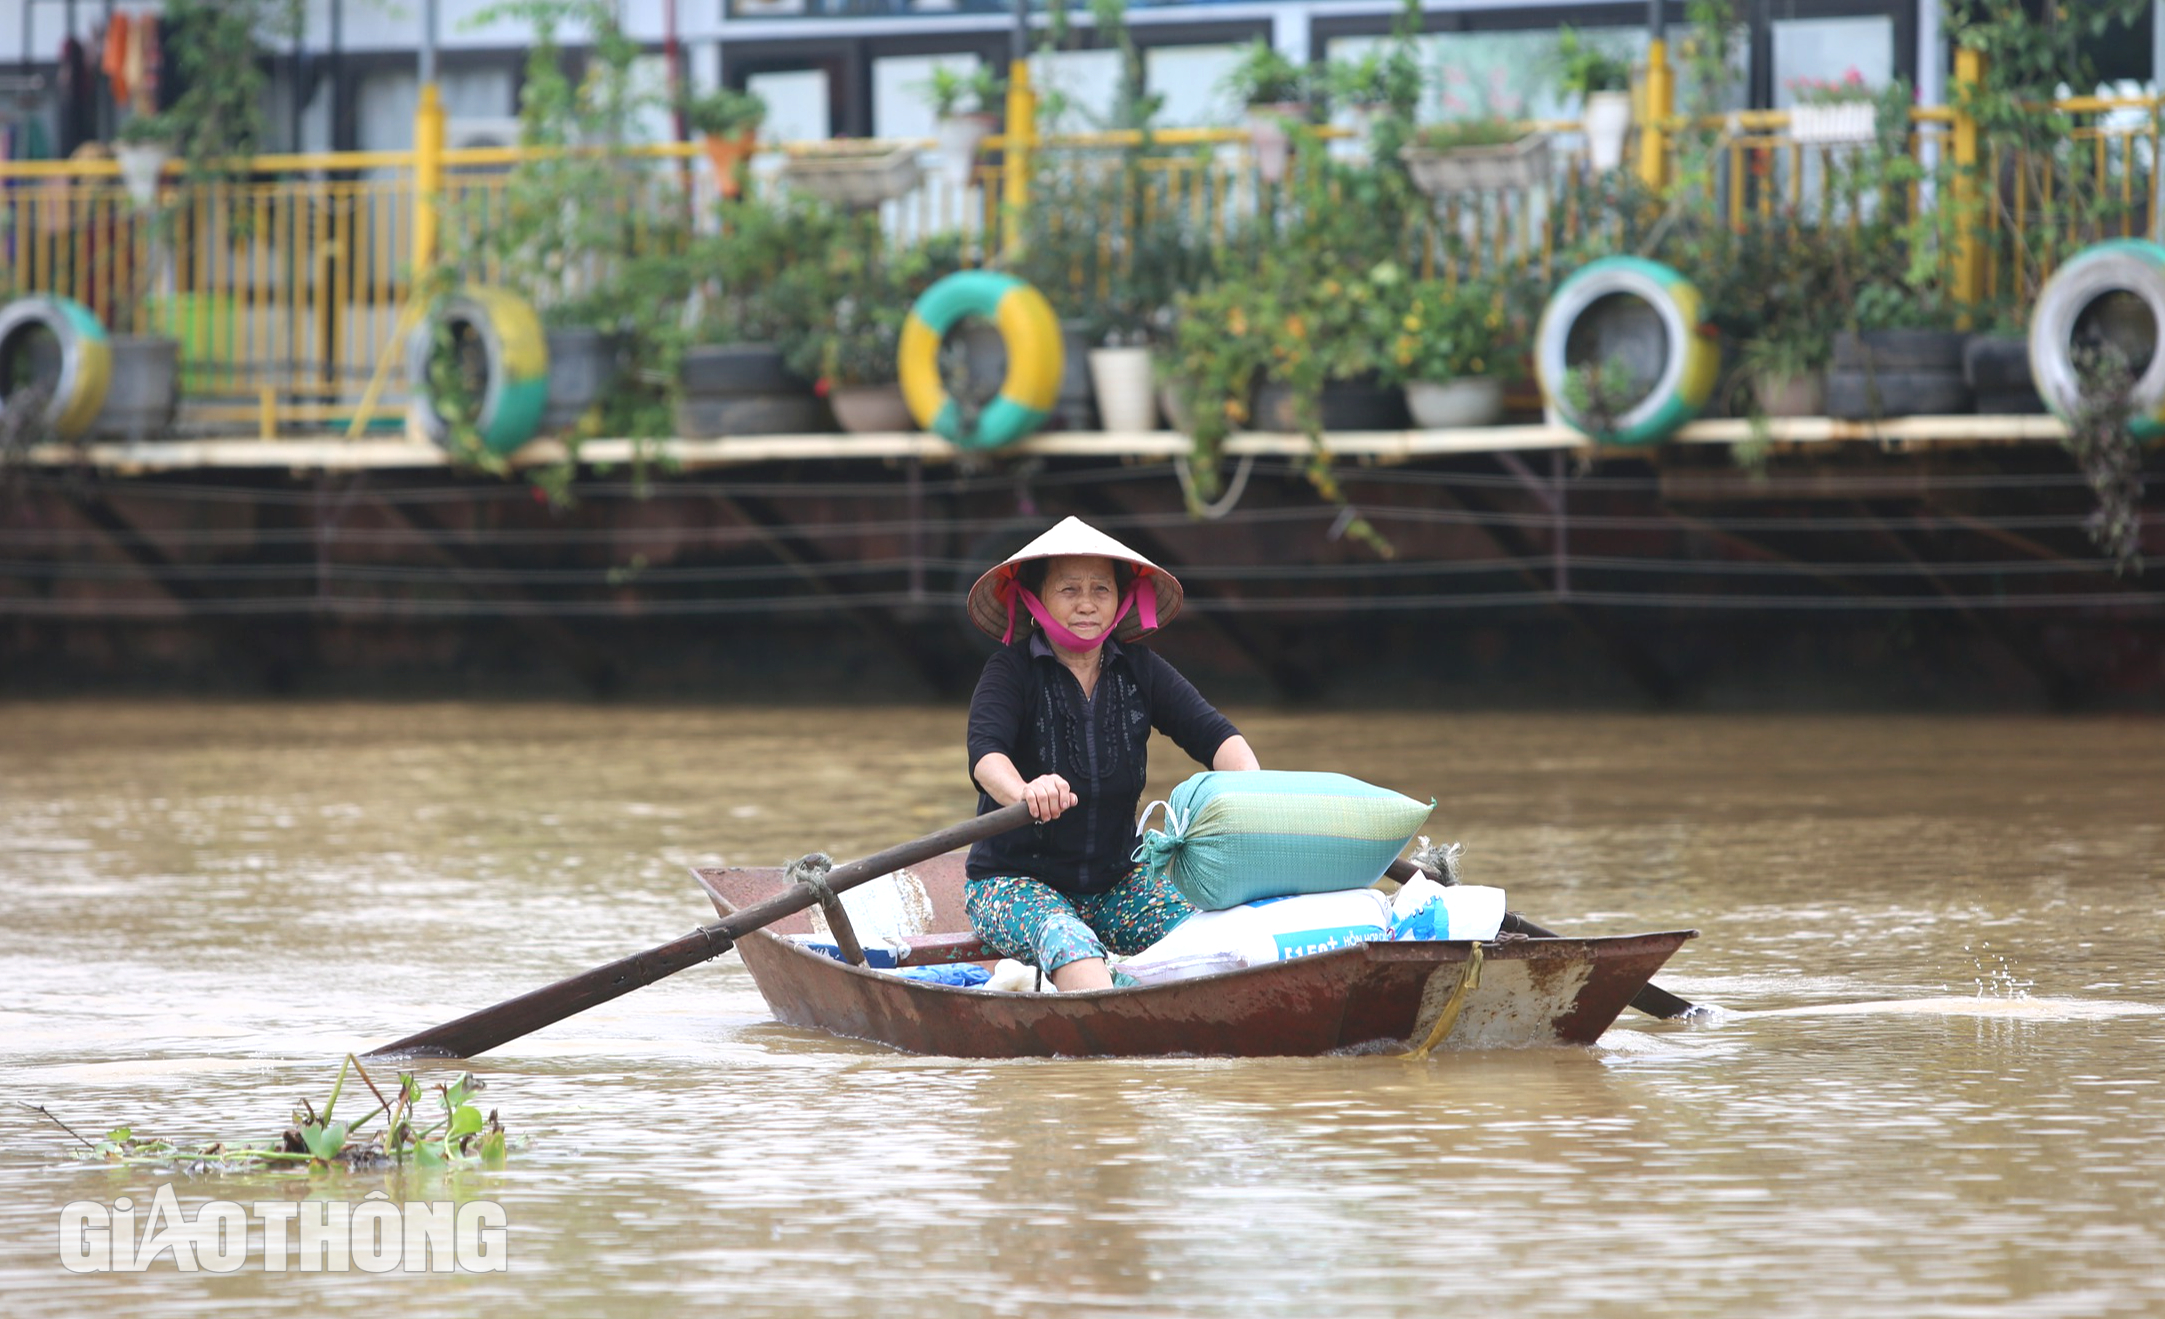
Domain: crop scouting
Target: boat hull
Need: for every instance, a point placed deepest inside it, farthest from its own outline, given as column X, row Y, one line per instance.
column 1372, row 997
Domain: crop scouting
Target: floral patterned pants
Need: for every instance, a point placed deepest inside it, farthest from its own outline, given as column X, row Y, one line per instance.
column 1031, row 921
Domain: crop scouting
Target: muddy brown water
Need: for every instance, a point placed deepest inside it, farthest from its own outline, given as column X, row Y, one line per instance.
column 1935, row 1091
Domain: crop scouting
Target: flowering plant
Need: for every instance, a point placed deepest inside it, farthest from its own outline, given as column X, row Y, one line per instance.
column 1449, row 332
column 1814, row 91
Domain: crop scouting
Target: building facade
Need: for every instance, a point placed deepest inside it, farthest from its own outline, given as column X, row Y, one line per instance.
column 347, row 79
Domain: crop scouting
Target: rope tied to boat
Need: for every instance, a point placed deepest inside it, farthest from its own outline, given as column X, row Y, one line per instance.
column 1469, row 979
column 1158, row 847
column 811, row 870
column 1439, row 860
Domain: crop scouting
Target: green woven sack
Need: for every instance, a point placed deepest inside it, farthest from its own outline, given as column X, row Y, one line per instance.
column 1231, row 837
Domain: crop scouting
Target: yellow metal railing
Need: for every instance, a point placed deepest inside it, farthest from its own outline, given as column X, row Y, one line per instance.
column 287, row 287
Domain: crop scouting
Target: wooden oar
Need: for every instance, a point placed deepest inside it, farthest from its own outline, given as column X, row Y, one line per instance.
column 1651, row 999
column 481, row 1031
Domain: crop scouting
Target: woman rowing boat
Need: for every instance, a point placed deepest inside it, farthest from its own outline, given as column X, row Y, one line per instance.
column 1061, row 719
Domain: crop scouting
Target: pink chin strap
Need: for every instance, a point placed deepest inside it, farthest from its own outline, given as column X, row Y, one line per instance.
column 1145, row 603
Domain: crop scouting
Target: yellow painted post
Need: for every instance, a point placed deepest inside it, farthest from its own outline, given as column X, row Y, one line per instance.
column 1660, row 97
column 1015, row 164
column 428, row 175
column 1969, row 253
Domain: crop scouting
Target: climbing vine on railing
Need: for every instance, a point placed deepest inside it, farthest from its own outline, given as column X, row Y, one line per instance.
column 2046, row 192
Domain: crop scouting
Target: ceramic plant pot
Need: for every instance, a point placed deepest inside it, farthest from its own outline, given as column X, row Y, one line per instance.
column 1439, row 405
column 1607, row 124
column 871, row 409
column 1127, row 396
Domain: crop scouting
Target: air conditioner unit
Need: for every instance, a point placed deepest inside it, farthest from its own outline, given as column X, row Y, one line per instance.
column 478, row 133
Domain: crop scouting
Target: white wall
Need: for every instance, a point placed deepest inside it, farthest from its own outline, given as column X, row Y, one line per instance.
column 899, row 105
column 797, row 104
column 1088, row 81
column 384, row 103
column 1190, row 79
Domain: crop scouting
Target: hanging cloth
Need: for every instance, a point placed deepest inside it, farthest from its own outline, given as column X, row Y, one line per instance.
column 141, row 63
column 75, row 99
column 113, row 58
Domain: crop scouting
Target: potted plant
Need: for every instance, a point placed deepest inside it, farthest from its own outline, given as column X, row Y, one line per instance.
column 767, row 294
column 857, row 371
column 142, row 147
column 1785, row 367
column 143, row 393
column 965, row 107
column 1902, row 358
column 856, row 173
column 1326, row 344
column 1274, row 92
column 1602, row 82
column 1361, row 87
column 1476, row 155
column 1825, row 113
column 727, row 122
column 854, row 356
column 1451, row 352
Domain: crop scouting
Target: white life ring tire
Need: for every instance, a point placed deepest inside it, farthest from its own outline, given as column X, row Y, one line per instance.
column 1691, row 359
column 2132, row 266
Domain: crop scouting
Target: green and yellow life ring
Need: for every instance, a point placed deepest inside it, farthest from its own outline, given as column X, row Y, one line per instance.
column 1034, row 357
column 81, row 368
column 516, row 366
column 1690, row 358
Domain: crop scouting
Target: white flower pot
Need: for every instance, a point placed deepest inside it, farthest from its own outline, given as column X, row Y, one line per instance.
column 140, row 165
column 1823, row 125
column 1513, row 166
column 1127, row 401
column 1271, row 138
column 1607, row 122
column 854, row 178
column 959, row 136
column 1441, row 405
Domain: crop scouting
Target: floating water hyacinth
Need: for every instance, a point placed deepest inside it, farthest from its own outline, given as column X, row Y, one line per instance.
column 424, row 1127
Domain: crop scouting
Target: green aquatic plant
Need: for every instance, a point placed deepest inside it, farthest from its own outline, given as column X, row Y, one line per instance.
column 1600, row 393
column 430, row 1127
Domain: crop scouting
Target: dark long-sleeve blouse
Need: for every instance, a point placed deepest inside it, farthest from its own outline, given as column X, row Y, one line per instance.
column 1030, row 708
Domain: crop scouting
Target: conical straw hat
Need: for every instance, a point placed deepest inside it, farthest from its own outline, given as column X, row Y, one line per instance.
column 988, row 607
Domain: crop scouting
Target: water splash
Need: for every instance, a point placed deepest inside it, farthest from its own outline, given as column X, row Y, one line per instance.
column 1996, row 980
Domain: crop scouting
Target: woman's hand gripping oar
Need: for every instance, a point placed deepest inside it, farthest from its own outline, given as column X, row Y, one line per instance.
column 481, row 1031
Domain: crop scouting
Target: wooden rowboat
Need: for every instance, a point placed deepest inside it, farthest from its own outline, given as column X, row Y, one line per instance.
column 1371, row 997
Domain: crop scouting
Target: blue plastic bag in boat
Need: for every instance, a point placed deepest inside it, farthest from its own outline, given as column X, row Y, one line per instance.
column 1232, row 837
column 877, row 956
column 962, row 975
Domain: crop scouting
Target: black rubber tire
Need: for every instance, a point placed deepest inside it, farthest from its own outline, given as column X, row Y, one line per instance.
column 1997, row 364
column 1902, row 351
column 749, row 414
column 722, row 370
column 2010, row 403
column 582, row 368
column 1862, row 396
column 1348, row 405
